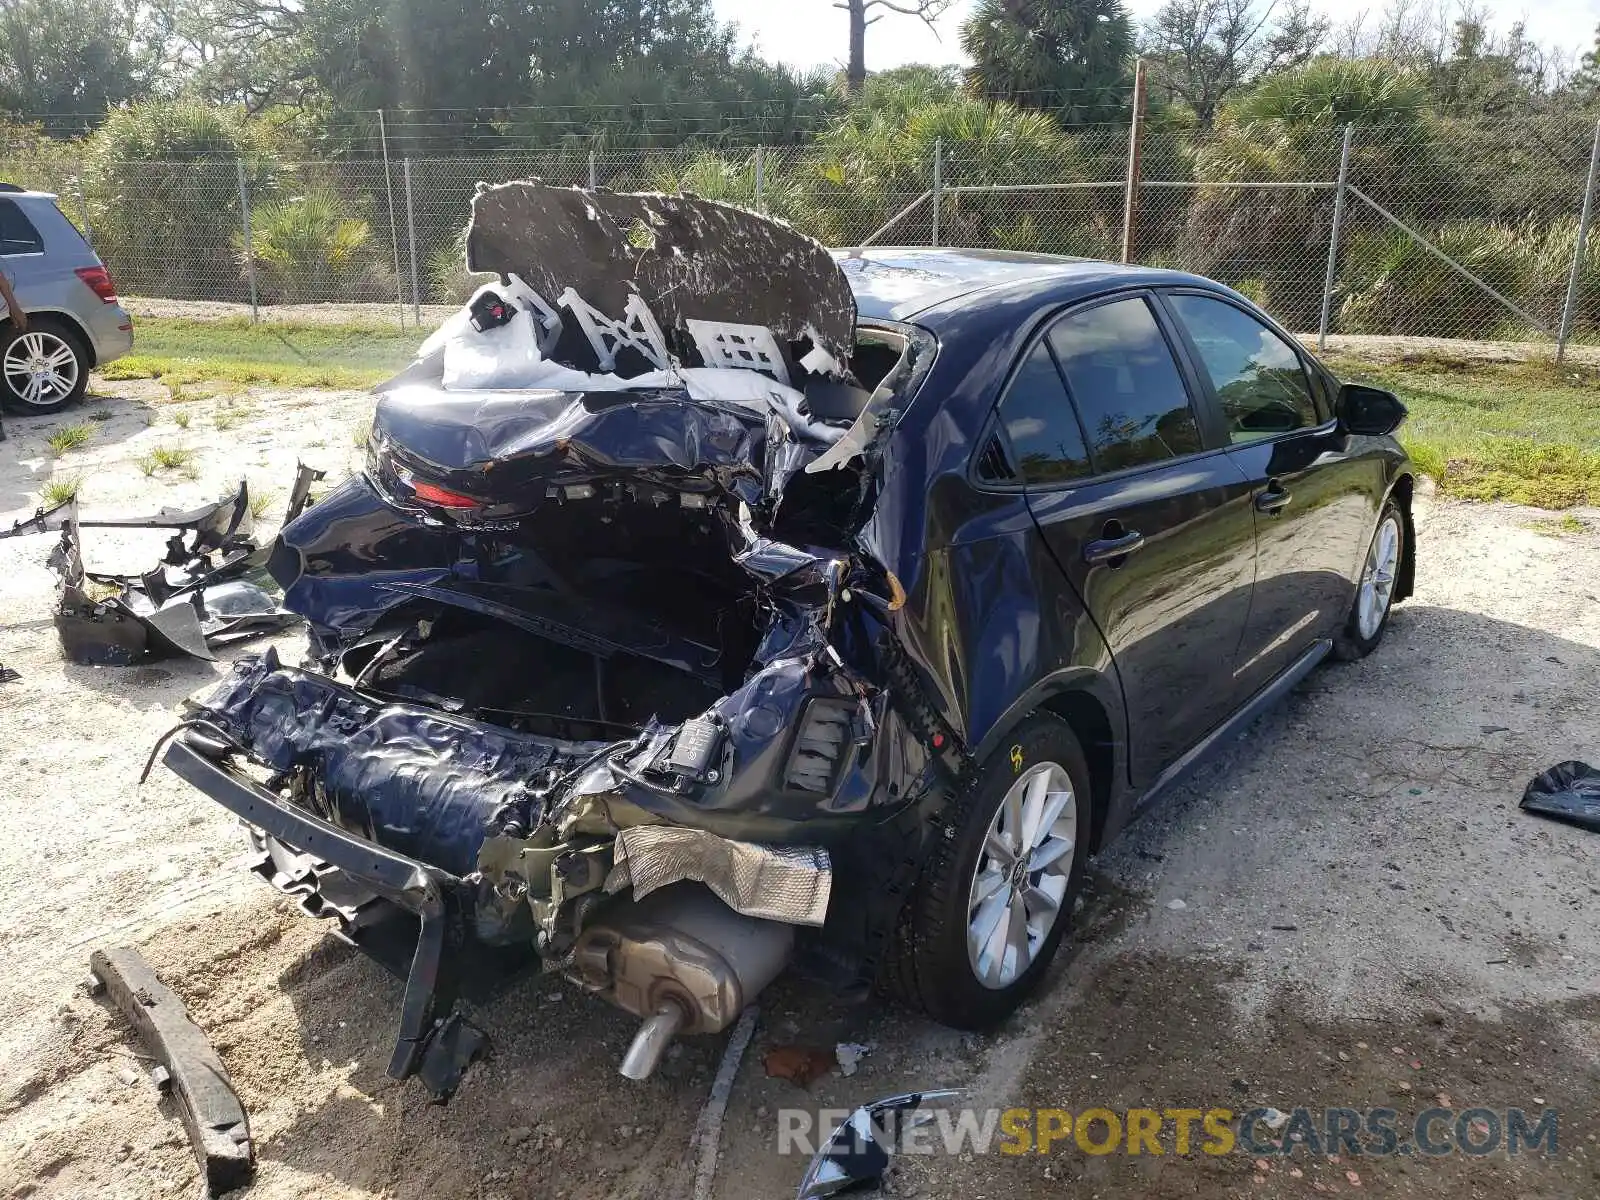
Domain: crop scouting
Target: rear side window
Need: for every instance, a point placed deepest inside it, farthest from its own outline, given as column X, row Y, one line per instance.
column 1256, row 375
column 17, row 234
column 1039, row 422
column 1130, row 396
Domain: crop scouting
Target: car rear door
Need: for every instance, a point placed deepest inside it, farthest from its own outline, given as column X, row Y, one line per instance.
column 1150, row 525
column 1312, row 501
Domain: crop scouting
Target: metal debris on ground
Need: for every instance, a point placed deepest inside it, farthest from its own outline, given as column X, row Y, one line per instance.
column 856, row 1156
column 849, row 1055
column 1568, row 792
column 219, row 1128
column 210, row 587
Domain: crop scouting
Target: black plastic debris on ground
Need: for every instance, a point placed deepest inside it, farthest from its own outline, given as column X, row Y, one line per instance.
column 209, row 588
column 190, row 1070
column 858, row 1153
column 8, row 675
column 1568, row 792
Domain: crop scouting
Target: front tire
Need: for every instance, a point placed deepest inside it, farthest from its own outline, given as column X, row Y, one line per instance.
column 1374, row 599
column 994, row 900
column 42, row 370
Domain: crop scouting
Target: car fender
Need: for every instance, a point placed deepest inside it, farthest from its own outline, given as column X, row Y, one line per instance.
column 67, row 317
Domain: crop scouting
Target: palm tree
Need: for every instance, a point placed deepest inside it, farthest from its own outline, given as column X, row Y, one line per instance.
column 1289, row 130
column 1069, row 57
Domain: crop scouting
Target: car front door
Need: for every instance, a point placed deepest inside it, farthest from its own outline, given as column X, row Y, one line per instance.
column 1152, row 530
column 1312, row 502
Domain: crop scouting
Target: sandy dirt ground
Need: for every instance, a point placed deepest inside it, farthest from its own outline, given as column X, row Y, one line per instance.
column 1344, row 908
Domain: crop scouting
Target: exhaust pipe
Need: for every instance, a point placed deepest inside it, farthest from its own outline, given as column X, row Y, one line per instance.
column 682, row 960
column 651, row 1042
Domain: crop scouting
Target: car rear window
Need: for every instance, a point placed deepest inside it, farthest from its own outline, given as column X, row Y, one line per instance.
column 1046, row 443
column 1125, row 382
column 17, row 234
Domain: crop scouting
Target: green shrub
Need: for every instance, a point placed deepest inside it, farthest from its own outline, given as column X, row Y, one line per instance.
column 1393, row 285
column 311, row 247
column 450, row 281
column 163, row 186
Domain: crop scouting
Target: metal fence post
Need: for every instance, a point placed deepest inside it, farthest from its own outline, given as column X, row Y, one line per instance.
column 83, row 210
column 1333, row 241
column 1578, row 250
column 411, row 242
column 594, row 176
column 938, row 186
column 249, row 242
column 394, row 232
column 1130, row 196
column 761, row 180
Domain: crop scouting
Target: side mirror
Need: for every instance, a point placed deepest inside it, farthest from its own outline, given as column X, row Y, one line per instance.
column 1369, row 411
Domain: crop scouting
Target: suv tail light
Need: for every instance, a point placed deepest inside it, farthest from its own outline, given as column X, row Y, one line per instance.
column 99, row 281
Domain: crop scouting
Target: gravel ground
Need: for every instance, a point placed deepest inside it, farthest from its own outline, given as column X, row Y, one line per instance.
column 1354, row 877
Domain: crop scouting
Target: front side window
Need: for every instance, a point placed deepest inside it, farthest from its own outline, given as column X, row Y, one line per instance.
column 1256, row 375
column 1039, row 422
column 1126, row 384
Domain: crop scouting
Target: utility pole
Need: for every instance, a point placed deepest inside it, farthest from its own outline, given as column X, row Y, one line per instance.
column 1130, row 198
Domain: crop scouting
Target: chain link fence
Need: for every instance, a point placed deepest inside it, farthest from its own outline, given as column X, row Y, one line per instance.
column 1422, row 227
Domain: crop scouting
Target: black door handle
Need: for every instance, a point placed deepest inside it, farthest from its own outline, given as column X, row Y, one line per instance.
column 1108, row 549
column 1273, row 499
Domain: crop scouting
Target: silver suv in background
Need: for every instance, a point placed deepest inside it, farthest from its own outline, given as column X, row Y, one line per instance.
column 74, row 320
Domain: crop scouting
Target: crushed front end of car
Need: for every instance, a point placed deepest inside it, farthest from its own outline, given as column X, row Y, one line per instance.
column 603, row 670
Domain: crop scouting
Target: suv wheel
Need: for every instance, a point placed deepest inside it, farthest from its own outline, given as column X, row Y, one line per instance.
column 1369, row 614
column 42, row 370
column 995, row 899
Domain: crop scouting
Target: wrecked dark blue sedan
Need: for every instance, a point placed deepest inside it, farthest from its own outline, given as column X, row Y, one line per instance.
column 711, row 604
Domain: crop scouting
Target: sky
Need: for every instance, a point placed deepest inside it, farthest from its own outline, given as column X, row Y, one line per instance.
column 812, row 32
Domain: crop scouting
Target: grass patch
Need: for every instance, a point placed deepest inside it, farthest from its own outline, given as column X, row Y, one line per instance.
column 261, row 502
column 59, row 491
column 167, row 458
column 181, row 419
column 1558, row 526
column 1525, row 432
column 181, row 352
column 101, row 414
column 69, row 437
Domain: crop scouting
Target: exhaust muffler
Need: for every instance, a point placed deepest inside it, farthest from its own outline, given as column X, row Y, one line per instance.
column 680, row 959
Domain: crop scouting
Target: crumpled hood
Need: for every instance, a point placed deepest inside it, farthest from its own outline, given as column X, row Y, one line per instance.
column 686, row 258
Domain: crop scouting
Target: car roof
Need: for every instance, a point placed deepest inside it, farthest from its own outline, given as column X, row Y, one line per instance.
column 898, row 283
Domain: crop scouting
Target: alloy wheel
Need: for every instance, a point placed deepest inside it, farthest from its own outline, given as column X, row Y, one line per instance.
column 41, row 368
column 1377, row 579
column 1021, row 875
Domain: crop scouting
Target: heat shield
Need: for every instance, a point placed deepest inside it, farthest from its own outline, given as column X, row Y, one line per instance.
column 777, row 883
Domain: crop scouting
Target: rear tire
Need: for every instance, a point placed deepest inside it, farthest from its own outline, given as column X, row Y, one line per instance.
column 44, row 369
column 994, row 900
column 1374, row 599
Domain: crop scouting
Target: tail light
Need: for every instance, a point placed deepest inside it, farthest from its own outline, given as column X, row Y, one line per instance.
column 430, row 493
column 99, row 281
